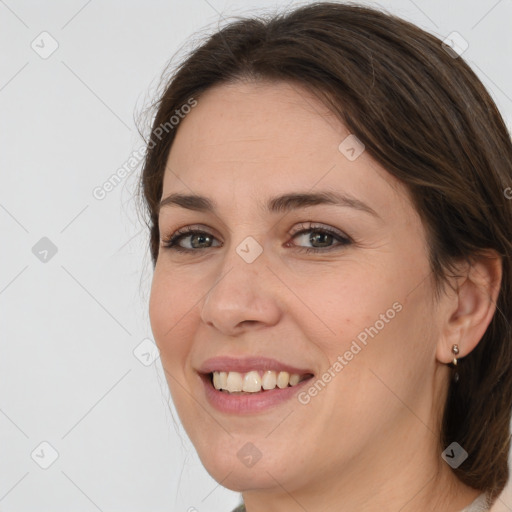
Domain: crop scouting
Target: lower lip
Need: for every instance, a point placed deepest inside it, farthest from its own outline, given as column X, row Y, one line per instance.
column 249, row 402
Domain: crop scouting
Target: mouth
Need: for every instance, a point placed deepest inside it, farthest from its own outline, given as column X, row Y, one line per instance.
column 252, row 385
column 254, row 381
column 244, row 385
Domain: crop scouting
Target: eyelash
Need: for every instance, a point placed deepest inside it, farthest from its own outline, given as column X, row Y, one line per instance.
column 171, row 241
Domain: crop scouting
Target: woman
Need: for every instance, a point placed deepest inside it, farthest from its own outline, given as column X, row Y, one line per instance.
column 330, row 235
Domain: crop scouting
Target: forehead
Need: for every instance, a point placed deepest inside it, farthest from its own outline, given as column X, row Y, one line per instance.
column 260, row 139
column 252, row 122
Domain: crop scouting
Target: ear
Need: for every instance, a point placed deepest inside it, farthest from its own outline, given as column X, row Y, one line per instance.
column 470, row 308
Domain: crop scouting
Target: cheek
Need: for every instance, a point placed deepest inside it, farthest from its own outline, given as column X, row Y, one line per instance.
column 386, row 339
column 378, row 322
column 172, row 323
column 160, row 309
column 170, row 313
column 349, row 303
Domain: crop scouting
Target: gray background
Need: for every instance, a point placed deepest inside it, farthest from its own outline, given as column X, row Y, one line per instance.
column 73, row 371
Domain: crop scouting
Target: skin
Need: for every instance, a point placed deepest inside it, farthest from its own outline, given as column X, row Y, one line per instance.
column 369, row 439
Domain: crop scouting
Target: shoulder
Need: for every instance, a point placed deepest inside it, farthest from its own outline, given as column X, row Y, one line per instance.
column 481, row 504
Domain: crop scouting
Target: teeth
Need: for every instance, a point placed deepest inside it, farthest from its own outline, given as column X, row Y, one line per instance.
column 269, row 380
column 283, row 379
column 220, row 380
column 253, row 382
column 234, row 382
column 294, row 379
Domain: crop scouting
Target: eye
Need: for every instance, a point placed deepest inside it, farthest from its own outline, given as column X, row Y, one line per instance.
column 196, row 239
column 320, row 237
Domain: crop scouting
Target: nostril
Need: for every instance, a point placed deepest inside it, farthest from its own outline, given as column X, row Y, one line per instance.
column 248, row 322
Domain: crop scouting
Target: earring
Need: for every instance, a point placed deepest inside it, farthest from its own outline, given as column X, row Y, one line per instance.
column 455, row 351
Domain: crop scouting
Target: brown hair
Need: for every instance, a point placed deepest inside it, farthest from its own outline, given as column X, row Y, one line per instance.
column 427, row 119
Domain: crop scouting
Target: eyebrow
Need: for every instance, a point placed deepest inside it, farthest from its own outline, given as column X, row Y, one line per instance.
column 279, row 204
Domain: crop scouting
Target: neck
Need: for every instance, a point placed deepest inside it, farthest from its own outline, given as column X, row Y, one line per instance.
column 413, row 482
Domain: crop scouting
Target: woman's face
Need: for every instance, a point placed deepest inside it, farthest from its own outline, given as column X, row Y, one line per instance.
column 353, row 319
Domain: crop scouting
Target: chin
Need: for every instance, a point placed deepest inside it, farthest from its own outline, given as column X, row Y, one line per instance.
column 238, row 478
column 244, row 480
column 240, row 466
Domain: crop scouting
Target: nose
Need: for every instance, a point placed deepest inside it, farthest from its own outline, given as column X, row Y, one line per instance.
column 241, row 296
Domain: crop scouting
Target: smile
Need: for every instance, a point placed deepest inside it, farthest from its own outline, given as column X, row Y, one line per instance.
column 245, row 385
column 254, row 381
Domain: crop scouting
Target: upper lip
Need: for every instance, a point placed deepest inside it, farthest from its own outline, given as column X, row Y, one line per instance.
column 246, row 364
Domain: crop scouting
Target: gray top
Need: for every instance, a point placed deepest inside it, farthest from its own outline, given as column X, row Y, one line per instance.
column 481, row 504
